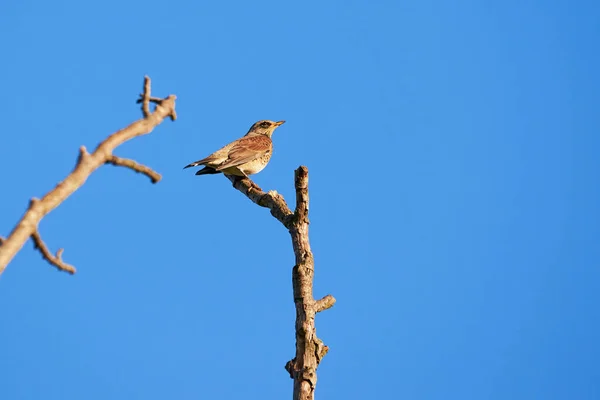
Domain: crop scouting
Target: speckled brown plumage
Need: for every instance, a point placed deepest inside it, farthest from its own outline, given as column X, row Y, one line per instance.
column 246, row 156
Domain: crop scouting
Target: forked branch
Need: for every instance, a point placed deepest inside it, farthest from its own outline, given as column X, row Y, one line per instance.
column 86, row 164
column 309, row 348
column 55, row 260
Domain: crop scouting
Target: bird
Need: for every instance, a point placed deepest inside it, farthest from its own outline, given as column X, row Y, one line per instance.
column 245, row 156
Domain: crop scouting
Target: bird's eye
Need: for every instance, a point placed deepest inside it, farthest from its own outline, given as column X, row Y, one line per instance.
column 265, row 125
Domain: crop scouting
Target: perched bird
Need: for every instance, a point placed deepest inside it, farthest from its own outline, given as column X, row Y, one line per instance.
column 248, row 155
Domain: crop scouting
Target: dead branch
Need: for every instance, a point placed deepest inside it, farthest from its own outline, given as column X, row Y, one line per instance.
column 309, row 349
column 142, row 169
column 56, row 260
column 86, row 164
column 272, row 200
column 325, row 303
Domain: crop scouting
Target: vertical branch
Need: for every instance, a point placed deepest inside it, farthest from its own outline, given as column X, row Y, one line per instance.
column 309, row 348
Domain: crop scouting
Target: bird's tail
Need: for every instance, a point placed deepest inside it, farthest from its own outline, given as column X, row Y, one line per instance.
column 207, row 170
column 195, row 163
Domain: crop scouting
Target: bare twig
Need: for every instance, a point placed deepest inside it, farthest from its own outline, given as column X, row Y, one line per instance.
column 325, row 303
column 142, row 169
column 309, row 349
column 146, row 99
column 86, row 164
column 56, row 260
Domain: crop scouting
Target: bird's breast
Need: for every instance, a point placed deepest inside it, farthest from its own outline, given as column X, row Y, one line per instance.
column 255, row 166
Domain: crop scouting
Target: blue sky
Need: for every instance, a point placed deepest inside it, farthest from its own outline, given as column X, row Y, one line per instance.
column 452, row 149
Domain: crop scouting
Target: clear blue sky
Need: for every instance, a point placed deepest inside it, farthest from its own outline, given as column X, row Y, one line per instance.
column 453, row 156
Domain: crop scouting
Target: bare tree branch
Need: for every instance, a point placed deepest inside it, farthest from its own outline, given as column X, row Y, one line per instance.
column 271, row 200
column 56, row 260
column 309, row 349
column 325, row 303
column 142, row 169
column 86, row 164
column 146, row 98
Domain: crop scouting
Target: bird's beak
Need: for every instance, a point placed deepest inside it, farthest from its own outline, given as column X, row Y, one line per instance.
column 279, row 123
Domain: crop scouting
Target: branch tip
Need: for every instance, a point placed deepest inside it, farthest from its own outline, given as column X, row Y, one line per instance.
column 55, row 260
column 145, row 97
column 325, row 303
column 301, row 177
column 301, row 185
column 131, row 164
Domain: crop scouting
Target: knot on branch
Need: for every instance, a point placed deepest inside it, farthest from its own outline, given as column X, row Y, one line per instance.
column 271, row 195
column 320, row 350
column 83, row 155
column 294, row 370
column 289, row 367
column 308, row 374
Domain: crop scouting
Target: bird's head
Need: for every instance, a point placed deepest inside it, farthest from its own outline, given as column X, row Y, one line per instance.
column 264, row 127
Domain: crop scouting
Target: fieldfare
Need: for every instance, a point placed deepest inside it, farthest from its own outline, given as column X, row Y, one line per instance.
column 246, row 156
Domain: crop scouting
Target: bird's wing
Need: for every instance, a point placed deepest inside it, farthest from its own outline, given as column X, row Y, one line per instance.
column 201, row 162
column 246, row 149
column 217, row 157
